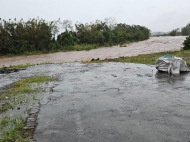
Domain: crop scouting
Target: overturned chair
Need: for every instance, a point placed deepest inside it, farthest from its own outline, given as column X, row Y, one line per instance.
column 171, row 64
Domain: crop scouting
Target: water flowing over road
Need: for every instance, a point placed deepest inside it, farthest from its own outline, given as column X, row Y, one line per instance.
column 111, row 102
column 153, row 45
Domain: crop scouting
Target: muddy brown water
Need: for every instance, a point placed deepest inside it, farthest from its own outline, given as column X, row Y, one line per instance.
column 153, row 45
column 111, row 102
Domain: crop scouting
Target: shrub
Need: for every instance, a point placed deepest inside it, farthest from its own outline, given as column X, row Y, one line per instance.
column 186, row 43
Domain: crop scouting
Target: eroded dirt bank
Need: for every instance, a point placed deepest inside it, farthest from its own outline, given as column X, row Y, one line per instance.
column 111, row 102
column 153, row 45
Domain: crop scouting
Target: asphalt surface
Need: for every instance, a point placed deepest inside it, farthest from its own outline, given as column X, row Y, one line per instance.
column 111, row 102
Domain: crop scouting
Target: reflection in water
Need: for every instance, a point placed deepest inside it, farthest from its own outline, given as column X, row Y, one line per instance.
column 163, row 77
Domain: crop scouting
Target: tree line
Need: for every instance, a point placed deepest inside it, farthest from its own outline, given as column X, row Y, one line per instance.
column 38, row 35
column 185, row 31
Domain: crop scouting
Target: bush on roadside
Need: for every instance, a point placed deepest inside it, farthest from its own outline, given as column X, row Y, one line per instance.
column 186, row 43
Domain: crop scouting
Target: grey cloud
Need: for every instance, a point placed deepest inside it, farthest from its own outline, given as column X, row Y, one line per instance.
column 158, row 15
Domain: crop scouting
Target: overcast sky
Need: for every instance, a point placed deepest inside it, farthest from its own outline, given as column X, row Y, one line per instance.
column 157, row 15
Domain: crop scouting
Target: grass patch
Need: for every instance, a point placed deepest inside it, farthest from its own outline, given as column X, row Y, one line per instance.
column 19, row 93
column 21, row 66
column 12, row 129
column 15, row 95
column 149, row 58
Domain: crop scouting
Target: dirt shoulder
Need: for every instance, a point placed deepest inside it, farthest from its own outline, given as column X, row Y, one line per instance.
column 153, row 45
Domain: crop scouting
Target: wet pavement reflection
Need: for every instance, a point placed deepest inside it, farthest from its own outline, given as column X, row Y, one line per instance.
column 111, row 102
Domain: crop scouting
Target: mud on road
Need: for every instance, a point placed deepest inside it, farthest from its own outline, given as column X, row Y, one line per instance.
column 111, row 102
column 153, row 45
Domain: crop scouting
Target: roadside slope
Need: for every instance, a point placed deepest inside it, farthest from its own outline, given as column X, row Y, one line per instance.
column 153, row 45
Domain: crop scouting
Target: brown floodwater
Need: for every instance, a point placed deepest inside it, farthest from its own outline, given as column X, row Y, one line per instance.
column 153, row 45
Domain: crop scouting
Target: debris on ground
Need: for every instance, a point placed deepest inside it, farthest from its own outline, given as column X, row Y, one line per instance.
column 5, row 70
column 95, row 59
column 114, row 75
column 171, row 64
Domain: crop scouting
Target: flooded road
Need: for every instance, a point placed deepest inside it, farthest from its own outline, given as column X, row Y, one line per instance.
column 111, row 102
column 153, row 45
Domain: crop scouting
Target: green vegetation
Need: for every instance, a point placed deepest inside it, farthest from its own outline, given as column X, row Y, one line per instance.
column 16, row 94
column 185, row 31
column 186, row 43
column 149, row 58
column 21, row 66
column 39, row 36
column 11, row 127
column 175, row 32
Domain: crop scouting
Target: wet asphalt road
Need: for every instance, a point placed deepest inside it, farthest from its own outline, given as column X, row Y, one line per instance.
column 112, row 102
